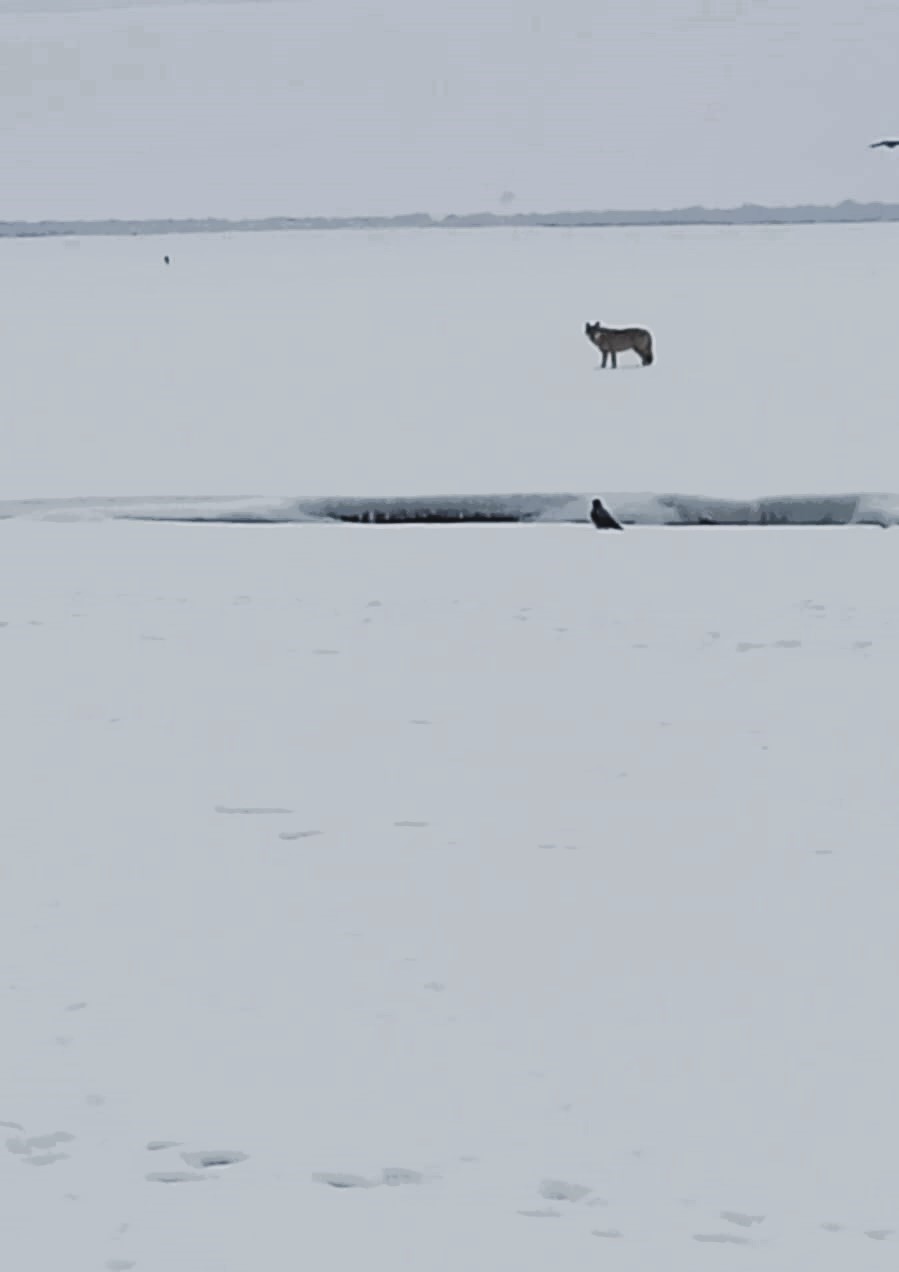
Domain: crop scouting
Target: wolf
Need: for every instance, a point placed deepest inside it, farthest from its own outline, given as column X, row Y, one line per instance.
column 610, row 342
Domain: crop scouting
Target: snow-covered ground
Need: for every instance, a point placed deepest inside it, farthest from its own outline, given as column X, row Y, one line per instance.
column 501, row 896
column 539, row 885
column 444, row 362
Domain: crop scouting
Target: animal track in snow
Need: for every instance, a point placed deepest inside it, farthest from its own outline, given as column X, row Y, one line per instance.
column 24, row 1148
column 338, row 1180
column 411, row 825
column 558, row 1190
column 120, row 1265
column 298, row 834
column 49, row 1141
column 879, row 1234
column 606, row 1232
column 722, row 1238
column 208, row 1158
column 743, row 1221
column 155, row 1146
column 45, row 1159
column 546, row 1213
column 394, row 1176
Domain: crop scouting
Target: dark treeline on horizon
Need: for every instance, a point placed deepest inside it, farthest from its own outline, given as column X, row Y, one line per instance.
column 844, row 213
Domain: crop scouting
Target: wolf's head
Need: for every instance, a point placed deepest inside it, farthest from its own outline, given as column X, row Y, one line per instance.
column 592, row 330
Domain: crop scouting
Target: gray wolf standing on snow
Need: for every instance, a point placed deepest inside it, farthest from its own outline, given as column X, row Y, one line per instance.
column 610, row 342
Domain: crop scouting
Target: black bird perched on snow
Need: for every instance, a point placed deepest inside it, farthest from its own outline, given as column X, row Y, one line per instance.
column 601, row 517
column 890, row 142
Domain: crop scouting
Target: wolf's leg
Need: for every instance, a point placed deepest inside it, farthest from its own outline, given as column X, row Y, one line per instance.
column 614, row 359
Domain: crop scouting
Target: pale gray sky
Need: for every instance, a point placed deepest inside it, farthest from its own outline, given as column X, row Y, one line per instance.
column 335, row 107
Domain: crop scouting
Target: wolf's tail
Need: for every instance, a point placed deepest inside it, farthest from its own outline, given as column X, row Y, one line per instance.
column 648, row 356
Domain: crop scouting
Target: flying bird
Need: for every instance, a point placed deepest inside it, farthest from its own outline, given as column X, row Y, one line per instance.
column 891, row 143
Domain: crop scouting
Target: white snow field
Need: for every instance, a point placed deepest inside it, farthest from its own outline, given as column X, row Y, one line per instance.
column 514, row 896
column 447, row 897
column 450, row 362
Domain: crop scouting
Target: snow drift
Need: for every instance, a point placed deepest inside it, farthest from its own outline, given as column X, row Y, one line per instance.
column 629, row 509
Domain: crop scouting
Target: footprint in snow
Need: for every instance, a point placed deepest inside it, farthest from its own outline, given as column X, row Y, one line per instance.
column 207, row 1158
column 339, row 1180
column 45, row 1159
column 743, row 1221
column 392, row 1176
column 558, row 1190
column 22, row 1147
column 395, row 1176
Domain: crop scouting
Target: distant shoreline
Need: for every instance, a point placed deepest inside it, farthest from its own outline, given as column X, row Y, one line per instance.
column 846, row 213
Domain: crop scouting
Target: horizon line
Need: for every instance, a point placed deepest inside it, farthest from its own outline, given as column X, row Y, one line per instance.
column 848, row 211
